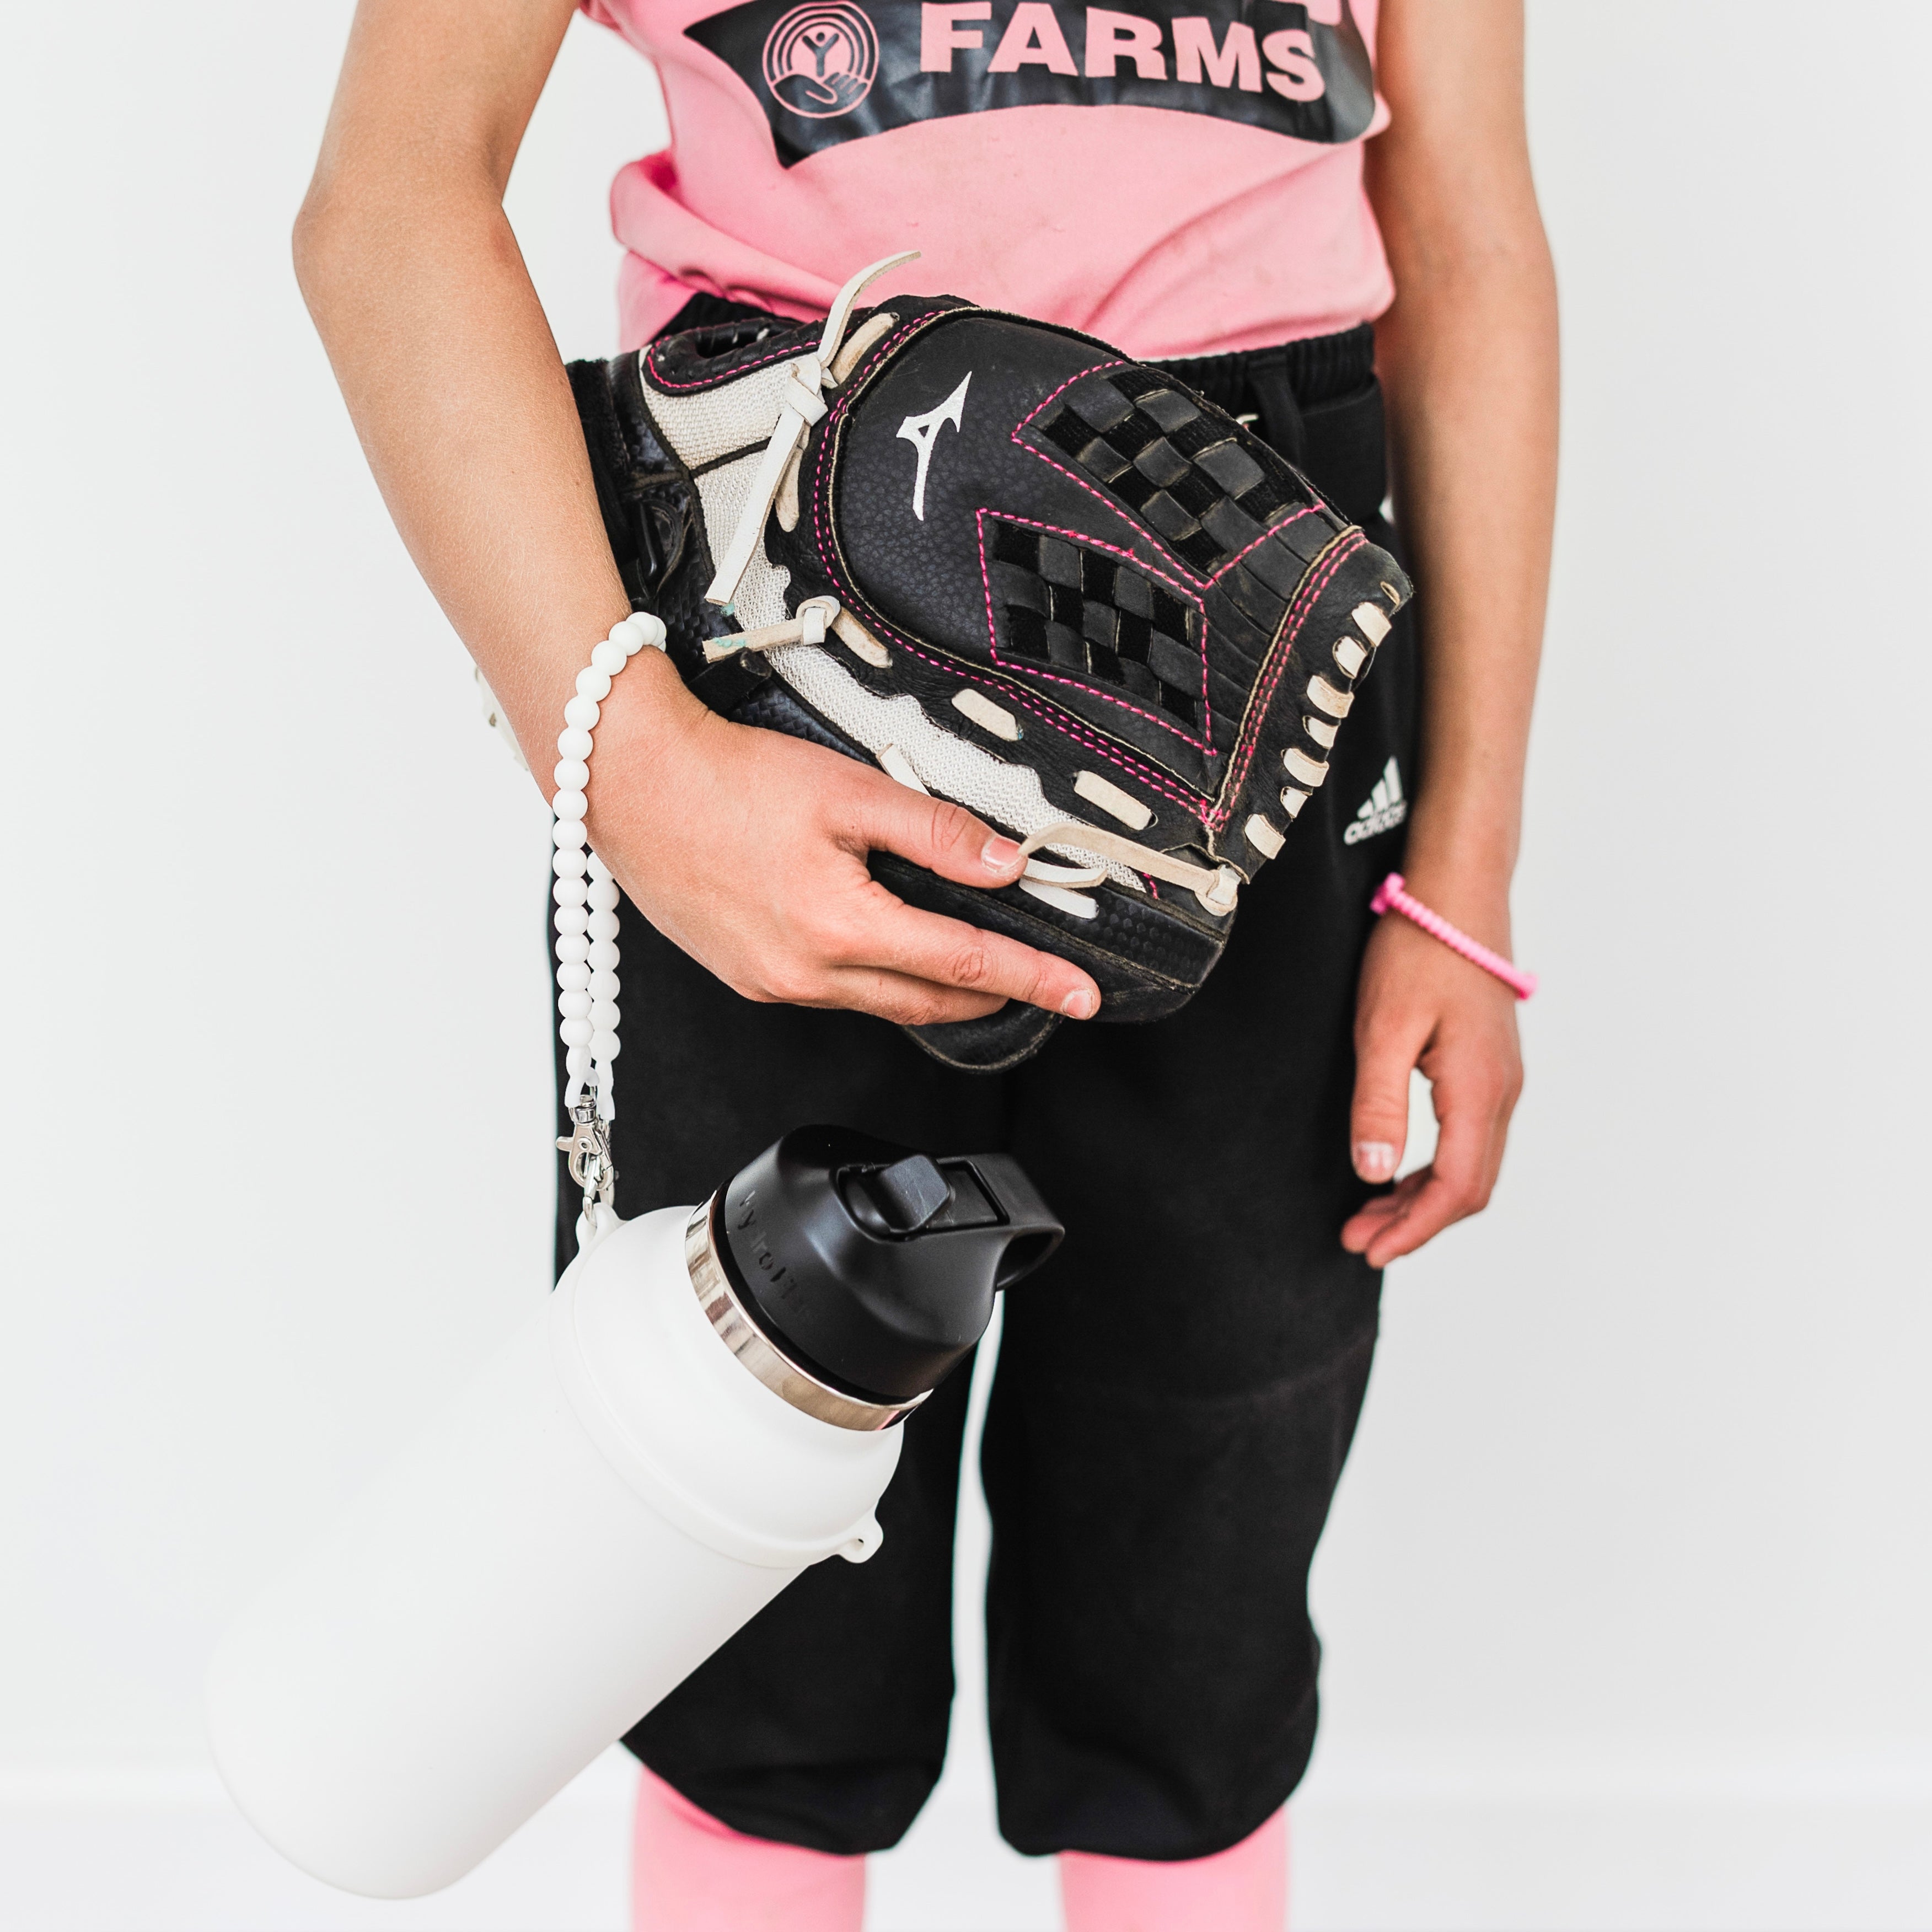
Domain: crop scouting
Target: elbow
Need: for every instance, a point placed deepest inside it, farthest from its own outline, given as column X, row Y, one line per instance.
column 357, row 226
column 1504, row 254
column 339, row 229
column 318, row 244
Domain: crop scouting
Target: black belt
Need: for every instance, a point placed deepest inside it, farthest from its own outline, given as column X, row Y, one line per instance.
column 1316, row 400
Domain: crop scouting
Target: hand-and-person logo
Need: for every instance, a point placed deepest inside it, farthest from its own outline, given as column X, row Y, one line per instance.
column 820, row 59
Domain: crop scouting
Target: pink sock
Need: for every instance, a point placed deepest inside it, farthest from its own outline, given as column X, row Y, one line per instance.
column 1243, row 1889
column 690, row 1874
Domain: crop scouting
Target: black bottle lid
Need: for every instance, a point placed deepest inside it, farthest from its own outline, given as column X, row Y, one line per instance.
column 872, row 1266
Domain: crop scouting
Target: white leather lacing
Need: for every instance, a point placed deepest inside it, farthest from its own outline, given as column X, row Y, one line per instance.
column 807, row 627
column 914, row 750
column 802, row 403
column 1217, row 887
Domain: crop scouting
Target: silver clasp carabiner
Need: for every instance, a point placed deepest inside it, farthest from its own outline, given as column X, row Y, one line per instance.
column 591, row 1165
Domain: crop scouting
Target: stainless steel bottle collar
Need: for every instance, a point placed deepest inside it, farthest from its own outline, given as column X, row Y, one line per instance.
column 742, row 1335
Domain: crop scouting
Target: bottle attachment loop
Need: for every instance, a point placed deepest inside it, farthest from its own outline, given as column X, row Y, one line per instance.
column 586, row 920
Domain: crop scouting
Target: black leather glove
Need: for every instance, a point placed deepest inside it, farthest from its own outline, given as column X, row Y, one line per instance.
column 1019, row 571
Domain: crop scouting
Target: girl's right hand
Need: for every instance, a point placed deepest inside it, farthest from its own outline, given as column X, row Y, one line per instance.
column 747, row 848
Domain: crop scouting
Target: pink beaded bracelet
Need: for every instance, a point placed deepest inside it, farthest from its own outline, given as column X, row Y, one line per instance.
column 1391, row 895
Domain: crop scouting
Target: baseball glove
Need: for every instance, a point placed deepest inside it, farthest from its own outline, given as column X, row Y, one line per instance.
column 1014, row 569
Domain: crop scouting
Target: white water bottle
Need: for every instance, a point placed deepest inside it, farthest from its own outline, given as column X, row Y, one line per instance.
column 704, row 1407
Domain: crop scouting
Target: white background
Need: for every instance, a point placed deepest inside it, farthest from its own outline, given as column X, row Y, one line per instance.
column 1627, row 1592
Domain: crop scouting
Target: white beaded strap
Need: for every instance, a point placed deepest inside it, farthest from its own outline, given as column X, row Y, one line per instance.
column 586, row 933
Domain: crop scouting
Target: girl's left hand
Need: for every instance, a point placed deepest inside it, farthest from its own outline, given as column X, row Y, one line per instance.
column 1421, row 1005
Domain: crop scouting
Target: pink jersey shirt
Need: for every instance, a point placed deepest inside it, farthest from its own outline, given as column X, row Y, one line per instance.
column 1180, row 179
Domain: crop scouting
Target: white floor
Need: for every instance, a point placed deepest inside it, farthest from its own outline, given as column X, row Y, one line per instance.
column 160, row 1851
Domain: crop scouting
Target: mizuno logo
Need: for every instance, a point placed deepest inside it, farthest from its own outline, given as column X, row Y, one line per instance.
column 921, row 432
column 1382, row 811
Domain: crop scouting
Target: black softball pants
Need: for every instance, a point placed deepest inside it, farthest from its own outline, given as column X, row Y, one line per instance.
column 1176, row 1390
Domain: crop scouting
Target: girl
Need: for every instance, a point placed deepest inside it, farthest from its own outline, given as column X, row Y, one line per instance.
column 1310, row 213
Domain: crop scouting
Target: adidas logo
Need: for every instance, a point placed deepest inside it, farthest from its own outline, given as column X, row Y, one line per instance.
column 1382, row 811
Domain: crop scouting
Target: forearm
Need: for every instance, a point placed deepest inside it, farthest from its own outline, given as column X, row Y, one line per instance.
column 1470, row 366
column 1468, row 357
column 444, row 356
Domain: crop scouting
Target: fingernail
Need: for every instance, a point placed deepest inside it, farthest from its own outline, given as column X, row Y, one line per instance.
column 1375, row 1160
column 1081, row 1004
column 999, row 855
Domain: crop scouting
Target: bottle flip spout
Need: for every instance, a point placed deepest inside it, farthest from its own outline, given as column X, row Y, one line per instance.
column 873, row 1267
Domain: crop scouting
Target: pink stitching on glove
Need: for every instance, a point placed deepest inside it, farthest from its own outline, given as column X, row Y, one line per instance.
column 1391, row 895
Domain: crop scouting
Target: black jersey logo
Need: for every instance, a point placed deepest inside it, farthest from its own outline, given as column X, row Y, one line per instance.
column 832, row 71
